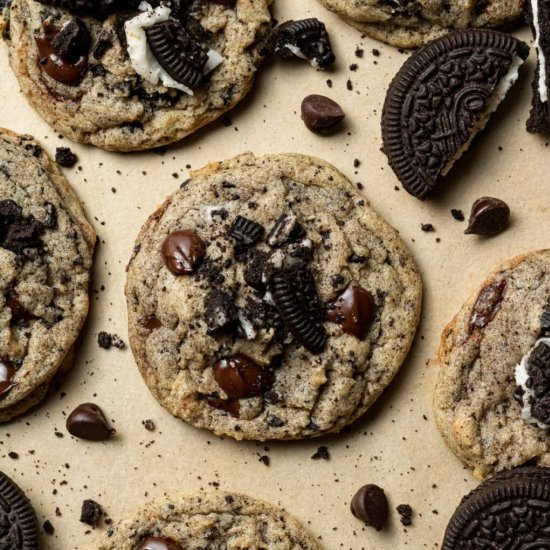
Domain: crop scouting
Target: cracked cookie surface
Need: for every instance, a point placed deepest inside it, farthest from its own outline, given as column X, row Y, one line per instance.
column 242, row 346
column 113, row 107
column 475, row 406
column 46, row 247
column 410, row 24
column 212, row 521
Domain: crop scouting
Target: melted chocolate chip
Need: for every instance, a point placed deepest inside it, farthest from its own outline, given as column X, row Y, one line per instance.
column 151, row 322
column 370, row 505
column 538, row 370
column 321, row 114
column 489, row 216
column 487, row 305
column 286, row 229
column 159, row 543
column 183, row 251
column 231, row 406
column 7, row 374
column 87, row 421
column 94, row 8
column 19, row 314
column 240, row 377
column 353, row 310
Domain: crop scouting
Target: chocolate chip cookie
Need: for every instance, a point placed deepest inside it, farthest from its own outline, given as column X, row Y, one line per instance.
column 46, row 247
column 412, row 23
column 211, row 520
column 267, row 300
column 492, row 399
column 131, row 75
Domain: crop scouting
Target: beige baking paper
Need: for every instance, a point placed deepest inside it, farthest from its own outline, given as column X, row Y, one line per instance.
column 396, row 445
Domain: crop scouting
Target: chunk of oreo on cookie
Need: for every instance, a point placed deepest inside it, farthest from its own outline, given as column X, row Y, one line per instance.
column 441, row 98
column 306, row 39
column 18, row 524
column 538, row 16
column 510, row 510
column 73, row 40
column 98, row 9
column 246, row 232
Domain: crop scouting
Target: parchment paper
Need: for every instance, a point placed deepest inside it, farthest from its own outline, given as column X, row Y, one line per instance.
column 396, row 445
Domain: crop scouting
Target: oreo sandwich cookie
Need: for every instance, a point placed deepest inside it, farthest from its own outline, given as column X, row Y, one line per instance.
column 510, row 510
column 538, row 16
column 18, row 524
column 441, row 98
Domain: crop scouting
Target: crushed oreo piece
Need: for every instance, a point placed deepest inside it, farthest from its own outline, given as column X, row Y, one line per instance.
column 370, row 505
column 307, row 39
column 545, row 319
column 106, row 340
column 101, row 47
column 220, row 310
column 18, row 233
column 179, row 55
column 296, row 299
column 321, row 453
column 405, row 511
column 246, row 232
column 91, row 513
column 73, row 40
column 286, row 229
column 65, row 157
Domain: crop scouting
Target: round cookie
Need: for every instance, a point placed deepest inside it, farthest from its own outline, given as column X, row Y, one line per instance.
column 408, row 24
column 266, row 299
column 112, row 106
column 211, row 520
column 509, row 508
column 476, row 397
column 46, row 247
column 19, row 527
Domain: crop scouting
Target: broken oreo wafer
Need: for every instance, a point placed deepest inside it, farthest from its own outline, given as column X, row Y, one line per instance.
column 538, row 16
column 441, row 98
column 510, row 510
column 178, row 54
column 18, row 525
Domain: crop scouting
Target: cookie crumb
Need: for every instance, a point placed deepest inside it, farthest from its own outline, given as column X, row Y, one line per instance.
column 65, row 157
column 458, row 215
column 427, row 227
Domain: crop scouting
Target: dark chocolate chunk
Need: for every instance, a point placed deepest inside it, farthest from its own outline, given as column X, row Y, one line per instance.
column 177, row 52
column 159, row 543
column 370, row 505
column 321, row 114
column 240, row 377
column 20, row 315
column 405, row 511
column 7, row 375
column 65, row 157
column 489, row 216
column 286, row 229
column 307, row 39
column 427, row 227
column 73, row 41
column 487, row 305
column 183, row 251
column 353, row 310
column 91, row 513
column 511, row 508
column 87, row 421
column 434, row 104
column 18, row 524
column 220, row 310
column 246, row 232
column 296, row 299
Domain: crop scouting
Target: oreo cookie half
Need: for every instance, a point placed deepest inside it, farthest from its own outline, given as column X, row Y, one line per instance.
column 510, row 510
column 18, row 524
column 441, row 98
column 538, row 16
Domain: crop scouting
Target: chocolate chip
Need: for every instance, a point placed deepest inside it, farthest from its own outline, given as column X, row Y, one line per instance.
column 151, row 322
column 240, row 377
column 19, row 313
column 106, row 340
column 489, row 216
column 183, row 251
column 159, row 543
column 246, row 232
column 73, row 40
column 220, row 310
column 487, row 305
column 7, row 374
column 370, row 505
column 91, row 513
column 321, row 114
column 353, row 310
column 65, row 157
column 177, row 52
column 307, row 38
column 286, row 229
column 405, row 511
column 95, row 8
column 87, row 421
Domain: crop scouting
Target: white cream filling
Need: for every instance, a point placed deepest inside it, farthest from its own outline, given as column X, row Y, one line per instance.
column 298, row 53
column 142, row 58
column 543, row 89
column 529, row 394
column 493, row 102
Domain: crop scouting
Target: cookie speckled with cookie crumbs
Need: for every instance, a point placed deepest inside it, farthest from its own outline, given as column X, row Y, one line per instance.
column 243, row 344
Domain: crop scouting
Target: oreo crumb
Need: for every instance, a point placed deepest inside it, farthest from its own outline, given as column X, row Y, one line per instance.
column 458, row 215
column 148, row 424
column 91, row 513
column 65, row 157
column 48, row 527
column 322, row 453
column 106, row 340
column 427, row 227
column 13, row 455
column 405, row 511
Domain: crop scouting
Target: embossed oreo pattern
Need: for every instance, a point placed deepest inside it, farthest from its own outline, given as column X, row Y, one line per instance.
column 18, row 525
column 433, row 103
